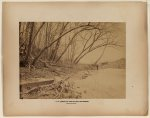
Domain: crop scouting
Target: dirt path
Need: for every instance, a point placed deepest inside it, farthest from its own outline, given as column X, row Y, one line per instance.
column 104, row 83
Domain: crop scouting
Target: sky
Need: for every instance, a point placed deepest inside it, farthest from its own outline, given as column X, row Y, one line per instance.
column 110, row 54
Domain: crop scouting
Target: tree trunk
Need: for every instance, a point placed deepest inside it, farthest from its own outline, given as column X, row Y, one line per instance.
column 30, row 40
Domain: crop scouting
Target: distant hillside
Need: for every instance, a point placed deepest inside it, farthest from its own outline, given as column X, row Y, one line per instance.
column 121, row 63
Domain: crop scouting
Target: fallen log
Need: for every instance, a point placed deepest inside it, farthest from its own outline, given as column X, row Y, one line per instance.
column 28, row 86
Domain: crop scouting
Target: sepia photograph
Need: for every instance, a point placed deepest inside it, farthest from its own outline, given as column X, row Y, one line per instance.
column 61, row 58
column 72, row 60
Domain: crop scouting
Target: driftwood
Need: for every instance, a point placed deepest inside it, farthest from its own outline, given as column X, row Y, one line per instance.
column 28, row 86
column 55, row 89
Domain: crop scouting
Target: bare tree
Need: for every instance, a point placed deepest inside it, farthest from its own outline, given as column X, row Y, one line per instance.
column 29, row 42
column 43, row 50
column 47, row 41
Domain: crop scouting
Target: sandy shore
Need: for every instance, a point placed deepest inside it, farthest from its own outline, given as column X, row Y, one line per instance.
column 104, row 83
